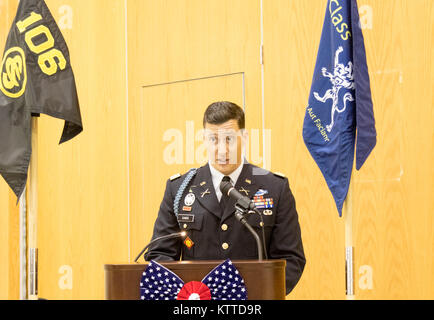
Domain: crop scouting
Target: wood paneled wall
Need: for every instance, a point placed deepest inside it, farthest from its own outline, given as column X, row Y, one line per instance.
column 394, row 226
column 83, row 203
column 184, row 41
column 146, row 70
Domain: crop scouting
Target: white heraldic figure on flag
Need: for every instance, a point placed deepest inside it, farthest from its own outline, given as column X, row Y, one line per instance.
column 342, row 77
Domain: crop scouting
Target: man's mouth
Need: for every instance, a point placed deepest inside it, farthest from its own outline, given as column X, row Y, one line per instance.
column 223, row 161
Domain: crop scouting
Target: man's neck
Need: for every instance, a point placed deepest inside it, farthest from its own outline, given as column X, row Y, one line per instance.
column 227, row 173
column 217, row 176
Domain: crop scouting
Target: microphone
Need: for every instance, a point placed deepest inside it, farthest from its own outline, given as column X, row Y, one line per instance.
column 245, row 205
column 168, row 236
column 243, row 202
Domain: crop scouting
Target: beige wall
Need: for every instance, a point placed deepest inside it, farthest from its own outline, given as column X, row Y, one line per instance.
column 184, row 43
column 83, row 201
column 99, row 193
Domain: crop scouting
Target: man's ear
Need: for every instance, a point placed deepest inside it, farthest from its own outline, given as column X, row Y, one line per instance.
column 244, row 142
column 244, row 134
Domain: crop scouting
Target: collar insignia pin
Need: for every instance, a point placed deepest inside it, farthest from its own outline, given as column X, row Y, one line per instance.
column 205, row 193
column 245, row 191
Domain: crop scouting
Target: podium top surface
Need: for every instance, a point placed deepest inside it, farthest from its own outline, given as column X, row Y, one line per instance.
column 197, row 263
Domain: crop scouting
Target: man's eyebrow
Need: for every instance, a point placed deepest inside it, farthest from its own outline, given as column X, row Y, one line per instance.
column 222, row 131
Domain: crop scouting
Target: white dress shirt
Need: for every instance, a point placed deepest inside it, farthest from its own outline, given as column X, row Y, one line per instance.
column 217, row 178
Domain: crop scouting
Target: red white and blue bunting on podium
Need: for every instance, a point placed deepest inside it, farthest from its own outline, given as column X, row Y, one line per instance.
column 224, row 282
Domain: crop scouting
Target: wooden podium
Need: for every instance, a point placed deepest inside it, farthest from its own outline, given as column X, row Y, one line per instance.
column 264, row 280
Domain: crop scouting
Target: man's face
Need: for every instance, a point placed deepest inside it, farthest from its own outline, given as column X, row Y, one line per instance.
column 224, row 144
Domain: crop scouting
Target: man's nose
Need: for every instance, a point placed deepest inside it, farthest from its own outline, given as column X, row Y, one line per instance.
column 222, row 147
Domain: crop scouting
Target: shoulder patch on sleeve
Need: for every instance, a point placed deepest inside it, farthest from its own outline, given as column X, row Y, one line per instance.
column 175, row 176
column 279, row 174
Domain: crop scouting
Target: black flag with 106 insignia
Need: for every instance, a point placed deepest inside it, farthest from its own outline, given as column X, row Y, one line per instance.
column 35, row 77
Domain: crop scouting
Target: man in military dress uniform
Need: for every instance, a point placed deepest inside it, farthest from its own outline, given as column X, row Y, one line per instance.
column 194, row 203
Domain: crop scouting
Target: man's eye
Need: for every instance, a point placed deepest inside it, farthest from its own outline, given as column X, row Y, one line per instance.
column 230, row 139
column 212, row 139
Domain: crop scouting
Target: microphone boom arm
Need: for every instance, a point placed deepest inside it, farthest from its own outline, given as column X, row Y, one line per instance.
column 169, row 236
column 240, row 216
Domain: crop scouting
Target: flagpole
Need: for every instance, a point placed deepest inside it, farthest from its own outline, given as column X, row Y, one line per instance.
column 349, row 248
column 23, row 245
column 33, row 215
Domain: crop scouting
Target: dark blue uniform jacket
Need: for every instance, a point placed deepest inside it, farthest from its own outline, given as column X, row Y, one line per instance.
column 218, row 235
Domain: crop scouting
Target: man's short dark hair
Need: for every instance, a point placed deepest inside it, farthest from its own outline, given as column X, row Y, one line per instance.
column 223, row 111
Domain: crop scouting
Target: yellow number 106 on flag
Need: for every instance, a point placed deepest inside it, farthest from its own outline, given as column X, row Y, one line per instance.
column 46, row 52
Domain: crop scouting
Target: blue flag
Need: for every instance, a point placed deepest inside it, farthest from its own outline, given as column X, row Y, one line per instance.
column 340, row 105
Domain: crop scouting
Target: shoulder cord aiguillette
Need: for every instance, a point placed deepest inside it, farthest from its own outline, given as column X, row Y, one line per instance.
column 181, row 190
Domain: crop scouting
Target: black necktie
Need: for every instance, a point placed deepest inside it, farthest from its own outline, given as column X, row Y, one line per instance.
column 225, row 198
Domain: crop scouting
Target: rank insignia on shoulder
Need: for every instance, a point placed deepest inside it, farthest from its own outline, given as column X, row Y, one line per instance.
column 188, row 243
column 175, row 176
column 279, row 174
